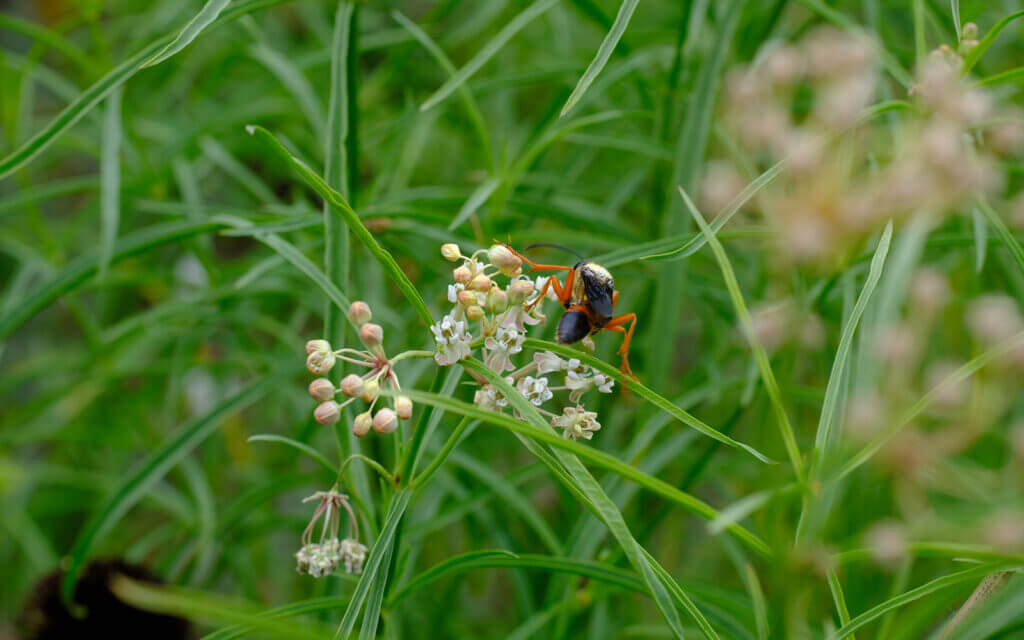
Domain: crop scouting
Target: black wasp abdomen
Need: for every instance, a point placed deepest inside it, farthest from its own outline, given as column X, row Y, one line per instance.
column 572, row 327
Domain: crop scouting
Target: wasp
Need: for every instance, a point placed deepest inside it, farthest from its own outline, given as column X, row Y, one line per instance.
column 589, row 298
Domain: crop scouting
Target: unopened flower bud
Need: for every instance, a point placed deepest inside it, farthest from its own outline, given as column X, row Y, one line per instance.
column 497, row 300
column 450, row 251
column 385, row 421
column 320, row 362
column 462, row 274
column 371, row 335
column 359, row 313
column 970, row 31
column 371, row 389
column 519, row 291
column 466, row 298
column 480, row 283
column 352, row 385
column 317, row 345
column 507, row 262
column 321, row 389
column 475, row 312
column 327, row 412
column 403, row 407
column 361, row 425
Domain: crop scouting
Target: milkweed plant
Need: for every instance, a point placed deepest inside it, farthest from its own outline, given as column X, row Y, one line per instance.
column 814, row 210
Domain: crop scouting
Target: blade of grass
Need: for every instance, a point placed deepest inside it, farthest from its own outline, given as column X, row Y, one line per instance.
column 1007, row 237
column 1003, row 77
column 604, row 52
column 301, row 446
column 196, row 25
column 980, row 238
column 149, row 472
column 297, row 84
column 313, row 605
column 954, row 6
column 351, row 219
column 488, row 51
column 836, row 588
column 110, row 179
column 760, row 356
column 975, row 54
column 760, row 606
column 475, row 201
column 52, row 39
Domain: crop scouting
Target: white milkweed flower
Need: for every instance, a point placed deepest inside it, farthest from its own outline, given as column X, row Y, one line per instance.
column 576, row 422
column 452, row 340
column 548, row 362
column 486, row 398
column 318, row 559
column 321, row 558
column 506, row 342
column 353, row 554
column 453, row 291
column 534, row 389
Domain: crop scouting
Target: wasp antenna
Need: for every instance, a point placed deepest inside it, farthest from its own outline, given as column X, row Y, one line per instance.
column 555, row 246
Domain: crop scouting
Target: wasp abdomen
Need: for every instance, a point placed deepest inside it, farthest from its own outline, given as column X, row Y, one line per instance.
column 572, row 327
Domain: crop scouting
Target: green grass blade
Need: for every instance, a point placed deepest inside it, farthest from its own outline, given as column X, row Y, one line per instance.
column 47, row 191
column 646, row 393
column 488, row 51
column 150, row 471
column 757, row 597
column 229, row 164
column 301, row 446
column 838, row 598
column 683, row 599
column 196, row 25
column 975, row 54
column 110, row 179
column 52, row 39
column 760, row 356
column 313, row 605
column 83, row 268
column 351, row 219
column 1003, row 77
column 954, row 6
column 298, row 85
column 604, row 52
column 1011, row 242
column 475, row 201
column 980, row 238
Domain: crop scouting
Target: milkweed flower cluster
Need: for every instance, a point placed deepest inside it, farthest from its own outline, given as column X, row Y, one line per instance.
column 843, row 176
column 499, row 316
column 323, row 557
column 321, row 360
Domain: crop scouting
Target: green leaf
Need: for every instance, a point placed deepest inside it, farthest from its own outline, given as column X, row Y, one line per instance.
column 110, row 179
column 351, row 219
column 604, row 52
column 301, row 446
column 313, row 605
column 980, row 238
column 150, row 471
column 975, row 54
column 763, row 365
column 475, row 201
column 1007, row 237
column 488, row 51
column 196, row 25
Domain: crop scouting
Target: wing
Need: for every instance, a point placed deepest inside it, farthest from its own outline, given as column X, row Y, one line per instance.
column 599, row 295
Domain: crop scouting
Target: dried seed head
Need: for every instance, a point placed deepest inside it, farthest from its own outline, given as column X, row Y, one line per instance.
column 480, row 283
column 386, row 421
column 361, row 425
column 371, row 389
column 475, row 312
column 352, row 385
column 320, row 362
column 403, row 407
column 507, row 262
column 450, row 251
column 359, row 313
column 519, row 291
column 497, row 300
column 321, row 389
column 462, row 274
column 371, row 335
column 317, row 345
column 327, row 412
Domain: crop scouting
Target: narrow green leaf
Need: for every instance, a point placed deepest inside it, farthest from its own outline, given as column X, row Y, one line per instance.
column 313, row 605
column 760, row 356
column 1011, row 242
column 110, row 179
column 46, row 191
column 475, row 201
column 646, row 393
column 604, row 52
column 975, row 54
column 757, row 597
column 351, row 219
column 1003, row 77
column 954, row 6
column 149, row 472
column 488, row 51
column 196, row 25
column 980, row 238
column 836, row 588
column 301, row 446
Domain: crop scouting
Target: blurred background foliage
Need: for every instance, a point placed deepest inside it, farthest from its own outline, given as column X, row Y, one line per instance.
column 132, row 308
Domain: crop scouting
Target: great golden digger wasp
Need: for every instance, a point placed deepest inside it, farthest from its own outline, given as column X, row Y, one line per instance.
column 589, row 298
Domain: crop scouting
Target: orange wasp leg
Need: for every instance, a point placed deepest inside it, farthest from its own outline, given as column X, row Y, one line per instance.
column 616, row 325
column 563, row 291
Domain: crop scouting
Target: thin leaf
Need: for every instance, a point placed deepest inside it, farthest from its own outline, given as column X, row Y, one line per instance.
column 954, row 6
column 149, row 472
column 110, row 179
column 975, row 54
column 1003, row 77
column 313, row 605
column 757, row 597
column 196, row 25
column 301, row 446
column 836, row 588
column 475, row 201
column 980, row 238
column 488, row 51
column 351, row 219
column 1011, row 242
column 604, row 52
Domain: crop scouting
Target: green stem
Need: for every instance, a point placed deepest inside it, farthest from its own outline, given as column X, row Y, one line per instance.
column 439, row 459
column 408, row 461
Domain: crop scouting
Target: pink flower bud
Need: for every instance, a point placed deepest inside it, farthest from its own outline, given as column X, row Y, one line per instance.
column 321, row 389
column 519, row 291
column 480, row 283
column 385, row 421
column 371, row 335
column 462, row 274
column 352, row 385
column 507, row 262
column 371, row 389
column 359, row 313
column 403, row 407
column 474, row 313
column 320, row 362
column 466, row 298
column 497, row 300
column 327, row 412
column 450, row 251
column 317, row 345
column 361, row 425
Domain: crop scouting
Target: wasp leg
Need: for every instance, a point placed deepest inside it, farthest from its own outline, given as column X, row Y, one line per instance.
column 533, row 265
column 616, row 325
column 563, row 291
